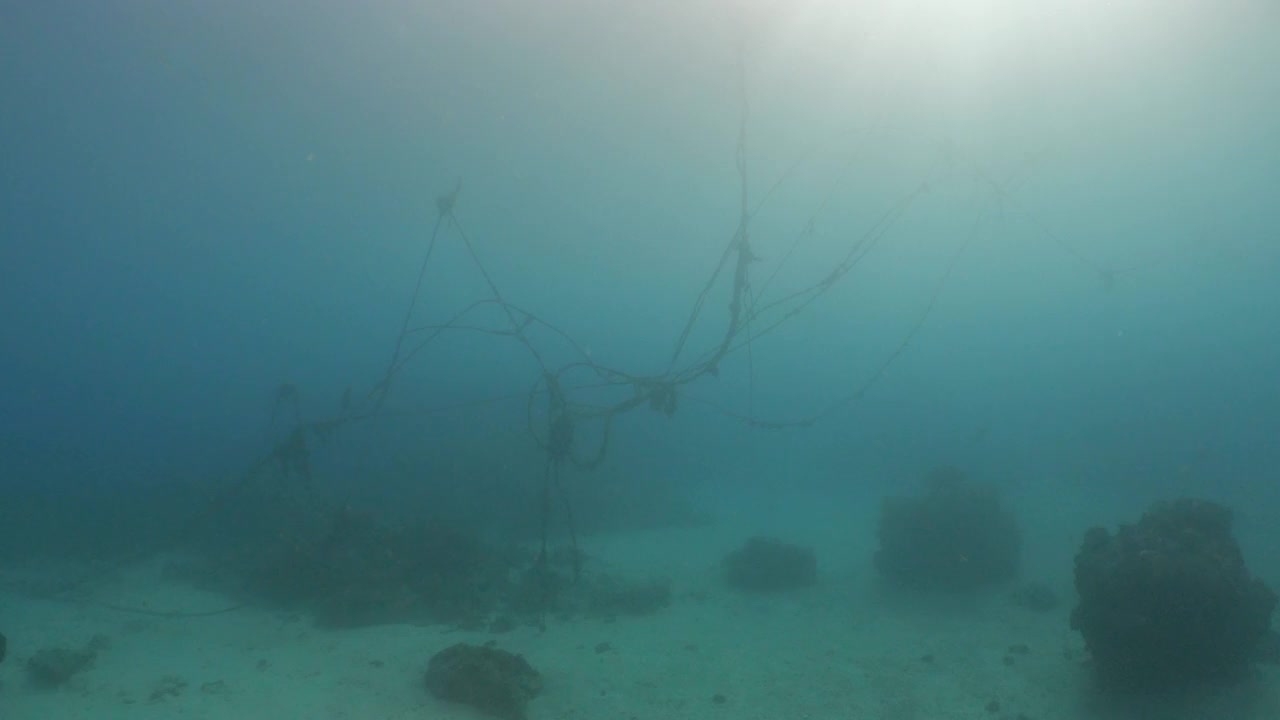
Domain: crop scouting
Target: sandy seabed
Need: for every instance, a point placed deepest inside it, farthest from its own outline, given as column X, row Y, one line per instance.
column 844, row 649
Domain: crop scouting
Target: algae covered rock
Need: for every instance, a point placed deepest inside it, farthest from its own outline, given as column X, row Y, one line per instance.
column 1168, row 601
column 767, row 564
column 957, row 535
column 493, row 681
column 52, row 667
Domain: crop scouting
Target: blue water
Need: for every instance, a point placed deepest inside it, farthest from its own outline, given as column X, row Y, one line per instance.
column 1074, row 295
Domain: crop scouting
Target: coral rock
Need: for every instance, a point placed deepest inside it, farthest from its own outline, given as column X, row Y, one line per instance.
column 1169, row 600
column 493, row 681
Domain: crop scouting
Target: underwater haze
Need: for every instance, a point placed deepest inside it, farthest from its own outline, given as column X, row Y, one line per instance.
column 337, row 333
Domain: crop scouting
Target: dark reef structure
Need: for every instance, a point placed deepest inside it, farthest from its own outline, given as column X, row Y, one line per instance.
column 54, row 667
column 767, row 564
column 354, row 571
column 349, row 568
column 605, row 596
column 493, row 681
column 1035, row 596
column 1169, row 601
column 1269, row 649
column 956, row 536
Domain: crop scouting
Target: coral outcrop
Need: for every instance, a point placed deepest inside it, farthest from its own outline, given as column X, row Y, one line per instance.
column 1168, row 601
column 955, row 536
